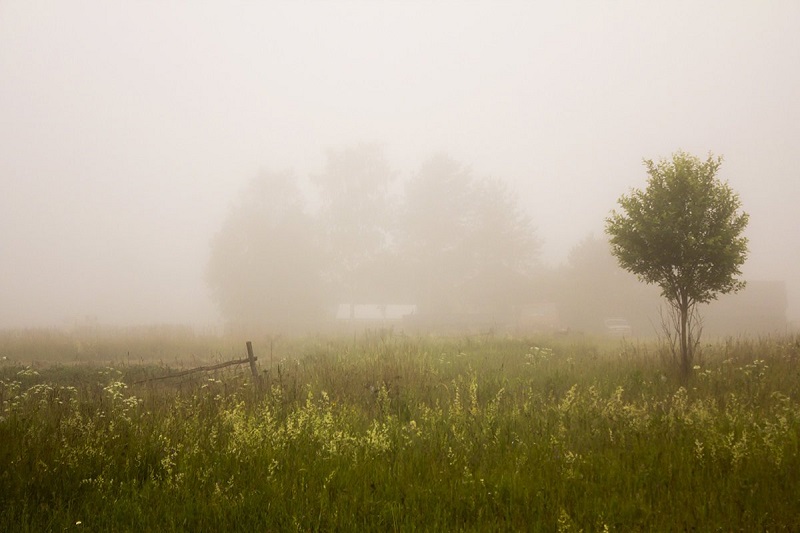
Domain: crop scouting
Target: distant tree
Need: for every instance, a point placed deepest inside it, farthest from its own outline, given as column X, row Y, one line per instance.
column 264, row 267
column 431, row 230
column 356, row 216
column 456, row 228
column 683, row 233
column 502, row 233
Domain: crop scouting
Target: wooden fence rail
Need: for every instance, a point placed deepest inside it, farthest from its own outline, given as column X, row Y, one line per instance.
column 251, row 359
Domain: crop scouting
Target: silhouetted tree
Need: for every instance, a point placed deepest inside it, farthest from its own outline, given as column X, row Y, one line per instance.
column 356, row 216
column 265, row 260
column 456, row 229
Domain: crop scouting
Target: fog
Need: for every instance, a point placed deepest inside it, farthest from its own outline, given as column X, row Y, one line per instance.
column 129, row 131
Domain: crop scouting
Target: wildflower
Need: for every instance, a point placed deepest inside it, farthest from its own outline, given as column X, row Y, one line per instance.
column 698, row 449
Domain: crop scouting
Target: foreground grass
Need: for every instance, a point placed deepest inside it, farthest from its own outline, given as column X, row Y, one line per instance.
column 399, row 434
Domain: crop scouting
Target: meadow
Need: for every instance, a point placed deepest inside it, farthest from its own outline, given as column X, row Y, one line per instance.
column 394, row 433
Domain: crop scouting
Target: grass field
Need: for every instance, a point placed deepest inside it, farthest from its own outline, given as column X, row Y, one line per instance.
column 397, row 434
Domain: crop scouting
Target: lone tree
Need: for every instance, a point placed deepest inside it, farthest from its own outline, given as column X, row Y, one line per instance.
column 684, row 233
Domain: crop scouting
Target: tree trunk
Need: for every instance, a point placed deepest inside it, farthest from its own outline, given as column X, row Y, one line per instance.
column 686, row 356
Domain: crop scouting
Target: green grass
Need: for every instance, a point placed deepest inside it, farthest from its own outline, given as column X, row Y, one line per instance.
column 399, row 434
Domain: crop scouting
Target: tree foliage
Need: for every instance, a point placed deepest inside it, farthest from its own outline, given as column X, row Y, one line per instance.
column 683, row 233
column 457, row 229
column 264, row 262
column 356, row 216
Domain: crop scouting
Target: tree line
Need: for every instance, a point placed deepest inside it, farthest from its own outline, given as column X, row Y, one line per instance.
column 373, row 238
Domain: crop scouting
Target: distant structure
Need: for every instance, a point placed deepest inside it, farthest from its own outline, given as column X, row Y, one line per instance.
column 374, row 314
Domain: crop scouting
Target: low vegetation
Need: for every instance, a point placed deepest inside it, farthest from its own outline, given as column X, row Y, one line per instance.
column 395, row 434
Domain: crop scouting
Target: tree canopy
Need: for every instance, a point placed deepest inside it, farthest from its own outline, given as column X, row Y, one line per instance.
column 456, row 228
column 356, row 216
column 264, row 262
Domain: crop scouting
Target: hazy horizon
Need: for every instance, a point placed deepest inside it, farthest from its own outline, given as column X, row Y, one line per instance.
column 128, row 129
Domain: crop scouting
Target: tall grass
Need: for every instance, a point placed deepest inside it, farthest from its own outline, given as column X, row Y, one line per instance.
column 400, row 434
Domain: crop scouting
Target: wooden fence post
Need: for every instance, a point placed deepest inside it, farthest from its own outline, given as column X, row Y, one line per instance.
column 252, row 360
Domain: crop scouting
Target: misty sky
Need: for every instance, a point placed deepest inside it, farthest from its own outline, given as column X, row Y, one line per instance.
column 128, row 128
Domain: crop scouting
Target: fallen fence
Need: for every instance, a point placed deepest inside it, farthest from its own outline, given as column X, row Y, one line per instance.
column 251, row 360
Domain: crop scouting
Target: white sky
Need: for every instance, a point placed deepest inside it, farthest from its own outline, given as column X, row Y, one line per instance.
column 127, row 128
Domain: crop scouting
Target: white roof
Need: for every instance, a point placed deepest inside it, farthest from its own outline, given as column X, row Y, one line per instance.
column 374, row 311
